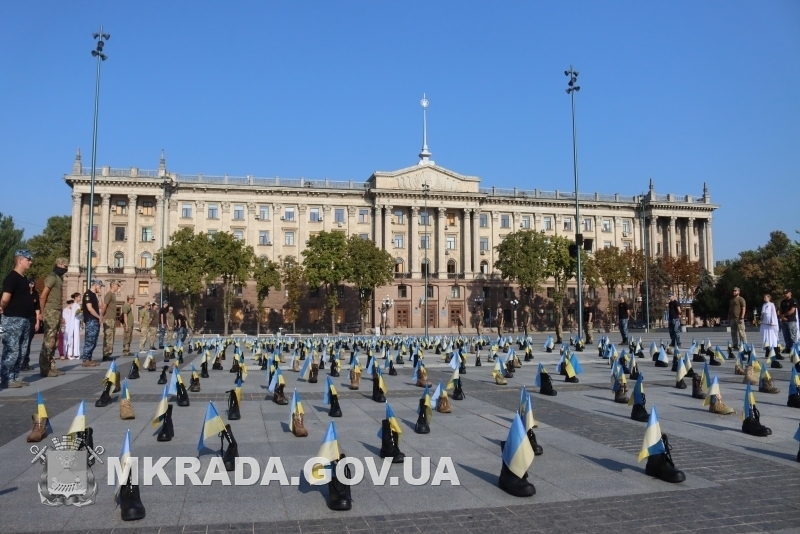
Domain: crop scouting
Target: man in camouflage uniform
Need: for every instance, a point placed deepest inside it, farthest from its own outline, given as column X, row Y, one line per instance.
column 51, row 302
column 144, row 327
column 109, row 312
column 152, row 331
column 127, row 324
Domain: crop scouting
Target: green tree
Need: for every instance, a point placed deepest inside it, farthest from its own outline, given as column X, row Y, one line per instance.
column 561, row 267
column 10, row 239
column 635, row 261
column 231, row 260
column 590, row 275
column 185, row 262
column 294, row 280
column 613, row 270
column 660, row 284
column 326, row 264
column 370, row 267
column 705, row 302
column 521, row 258
column 54, row 242
column 267, row 276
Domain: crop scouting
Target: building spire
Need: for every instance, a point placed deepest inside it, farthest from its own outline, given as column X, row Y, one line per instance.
column 77, row 168
column 425, row 154
column 651, row 185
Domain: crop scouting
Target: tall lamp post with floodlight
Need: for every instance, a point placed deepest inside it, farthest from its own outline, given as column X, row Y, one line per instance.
column 101, row 39
column 572, row 88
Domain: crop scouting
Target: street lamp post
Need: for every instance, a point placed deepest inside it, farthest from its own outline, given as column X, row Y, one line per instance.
column 572, row 88
column 163, row 225
column 426, row 189
column 514, row 304
column 386, row 305
column 101, row 38
column 646, row 246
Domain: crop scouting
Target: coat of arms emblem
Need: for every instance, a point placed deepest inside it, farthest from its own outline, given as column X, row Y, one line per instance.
column 67, row 477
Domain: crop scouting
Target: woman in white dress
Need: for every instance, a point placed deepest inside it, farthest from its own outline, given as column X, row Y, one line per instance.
column 72, row 335
column 66, row 321
column 769, row 324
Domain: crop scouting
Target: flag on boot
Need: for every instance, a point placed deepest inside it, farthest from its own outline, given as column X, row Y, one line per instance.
column 749, row 401
column 212, row 425
column 794, row 382
column 173, row 382
column 41, row 411
column 526, row 412
column 125, row 394
column 277, row 380
column 79, row 422
column 705, row 378
column 455, row 361
column 764, row 374
column 452, row 382
column 638, row 392
column 305, row 371
column 125, row 463
column 379, row 378
column 111, row 374
column 426, row 395
column 713, row 390
column 394, row 423
column 538, row 380
column 652, row 444
column 681, row 372
column 523, row 396
column 295, row 407
column 517, row 452
column 195, row 376
column 330, row 390
column 499, row 367
column 161, row 408
column 328, row 450
column 719, row 355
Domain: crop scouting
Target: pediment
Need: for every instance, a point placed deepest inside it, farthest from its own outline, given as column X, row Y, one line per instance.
column 412, row 178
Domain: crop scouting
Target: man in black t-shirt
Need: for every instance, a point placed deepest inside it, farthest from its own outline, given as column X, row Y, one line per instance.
column 16, row 307
column 91, row 320
column 789, row 320
column 35, row 321
column 180, row 326
column 588, row 322
column 624, row 314
column 674, row 321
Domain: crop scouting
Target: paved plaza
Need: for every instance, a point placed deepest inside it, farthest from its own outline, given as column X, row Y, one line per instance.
column 587, row 480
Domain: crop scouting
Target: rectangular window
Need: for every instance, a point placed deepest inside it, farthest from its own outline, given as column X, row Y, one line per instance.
column 340, row 291
column 402, row 292
column 399, row 217
column 238, row 235
column 263, row 213
column 147, row 233
column 314, row 315
column 504, row 221
column 238, row 212
column 96, row 206
column 548, row 223
column 121, row 207
column 263, row 237
column 484, row 244
column 314, row 215
column 451, row 219
column 455, row 292
column 451, row 242
column 587, row 224
column 485, row 292
column 606, row 244
column 211, row 291
column 551, row 292
column 606, row 225
column 211, row 233
column 627, row 245
column 147, row 207
column 626, row 226
column 338, row 215
column 591, row 293
column 288, row 239
column 288, row 214
column 186, row 211
column 144, row 287
column 424, row 218
column 95, row 233
column 483, row 220
column 363, row 216
column 571, row 293
column 213, row 211
column 424, row 241
column 211, row 315
column 588, row 245
column 526, row 222
column 568, row 224
column 237, row 290
column 119, row 233
column 398, row 241
column 365, row 237
column 430, row 292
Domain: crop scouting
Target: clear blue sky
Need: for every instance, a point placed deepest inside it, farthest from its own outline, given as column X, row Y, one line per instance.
column 683, row 92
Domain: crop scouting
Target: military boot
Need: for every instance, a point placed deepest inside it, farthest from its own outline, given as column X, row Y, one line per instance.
column 279, row 397
column 167, row 431
column 204, row 370
column 537, row 449
column 639, row 412
column 750, row 376
column 661, row 465
column 87, row 441
column 39, row 430
column 392, row 370
column 336, row 410
column 619, row 394
column 339, row 497
column 126, row 410
column 477, row 359
column 232, row 452
column 233, row 406
column 511, row 483
column 355, row 379
column 299, row 430
column 720, row 407
column 697, row 387
column 389, row 443
column 133, row 372
column 377, row 394
column 794, row 400
column 752, row 425
column 458, row 391
column 105, row 398
column 130, row 502
column 194, row 385
column 680, row 384
column 312, row 379
column 422, row 426
column 162, row 379
column 183, row 396
column 443, row 405
column 767, row 386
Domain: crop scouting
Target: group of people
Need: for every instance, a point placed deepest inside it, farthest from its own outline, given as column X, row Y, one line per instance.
column 161, row 324
column 783, row 319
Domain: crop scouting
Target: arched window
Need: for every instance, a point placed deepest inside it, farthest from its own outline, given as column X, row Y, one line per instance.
column 146, row 261
column 119, row 260
column 399, row 266
column 484, row 267
column 451, row 266
column 94, row 259
column 424, row 266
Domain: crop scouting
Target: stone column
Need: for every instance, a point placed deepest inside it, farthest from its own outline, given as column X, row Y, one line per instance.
column 351, row 220
column 388, row 244
column 653, row 234
column 157, row 227
column 225, row 217
column 617, row 227
column 130, row 256
column 252, row 231
column 690, row 239
column 635, row 230
column 476, row 240
column 671, row 237
column 326, row 217
column 103, row 230
column 302, row 228
column 466, row 248
column 274, row 234
column 199, row 216
column 710, row 246
column 172, row 220
column 441, row 266
column 413, row 243
column 377, row 226
column 75, row 233
column 494, row 240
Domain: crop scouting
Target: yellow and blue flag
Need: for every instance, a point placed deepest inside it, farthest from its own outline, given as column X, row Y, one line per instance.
column 638, row 391
column 538, row 380
column 517, row 452
column 124, row 457
column 41, row 411
column 653, row 349
column 426, row 396
column 125, row 393
column 194, row 373
column 794, row 382
column 687, row 362
column 455, row 361
column 526, row 412
column 417, row 367
column 499, row 367
column 705, row 378
column 438, row 392
column 149, row 359
column 652, row 443
column 452, row 382
column 713, row 391
column 681, row 370
column 277, row 380
column 212, row 425
column 370, row 364
column 111, row 374
column 295, row 407
column 718, row 354
column 797, row 434
column 549, row 343
column 79, row 422
column 394, row 423
column 161, row 408
column 749, row 401
column 173, row 382
column 662, row 355
column 381, row 383
column 330, row 390
column 305, row 370
column 330, row 445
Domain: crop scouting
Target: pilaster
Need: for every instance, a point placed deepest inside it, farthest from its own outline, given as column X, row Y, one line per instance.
column 413, row 243
column 377, row 226
column 441, row 265
column 466, row 247
column 388, row 244
column 131, row 234
column 75, row 235
column 103, row 229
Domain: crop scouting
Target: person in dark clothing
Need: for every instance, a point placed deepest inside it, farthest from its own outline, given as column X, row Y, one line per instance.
column 624, row 314
column 162, row 323
column 16, row 308
column 35, row 321
column 91, row 321
column 674, row 321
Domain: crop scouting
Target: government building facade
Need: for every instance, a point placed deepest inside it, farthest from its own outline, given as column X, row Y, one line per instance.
column 450, row 231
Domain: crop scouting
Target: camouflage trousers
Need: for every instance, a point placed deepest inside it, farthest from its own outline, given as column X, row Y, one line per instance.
column 16, row 336
column 92, row 332
column 50, row 327
column 587, row 328
column 109, row 329
column 148, row 338
column 127, row 335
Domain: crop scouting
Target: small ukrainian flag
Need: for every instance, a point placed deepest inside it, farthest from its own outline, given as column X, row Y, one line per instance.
column 79, row 422
column 394, row 423
column 212, row 425
column 652, row 443
column 517, row 452
column 638, row 391
column 161, row 408
column 749, row 401
column 295, row 407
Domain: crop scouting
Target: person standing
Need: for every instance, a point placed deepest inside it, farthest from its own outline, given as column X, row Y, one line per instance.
column 16, row 307
column 459, row 322
column 153, row 330
column 769, row 324
column 170, row 327
column 674, row 318
column 127, row 325
column 180, row 322
column 144, row 327
column 588, row 322
column 162, row 323
column 66, row 318
column 90, row 306
column 74, row 346
column 499, row 319
column 789, row 320
column 526, row 319
column 51, row 299
column 736, row 311
column 479, row 321
column 35, row 321
column 109, row 313
column 624, row 314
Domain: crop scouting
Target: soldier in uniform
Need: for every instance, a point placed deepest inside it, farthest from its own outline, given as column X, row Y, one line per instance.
column 127, row 325
column 109, row 313
column 479, row 321
column 50, row 303
column 459, row 323
column 152, row 331
column 16, row 306
column 500, row 319
column 526, row 319
column 144, row 327
column 170, row 327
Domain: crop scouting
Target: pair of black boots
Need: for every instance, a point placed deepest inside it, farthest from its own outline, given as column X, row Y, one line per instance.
column 547, row 386
column 423, row 425
column 752, row 425
column 234, row 414
column 661, row 465
column 377, row 393
column 390, row 443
